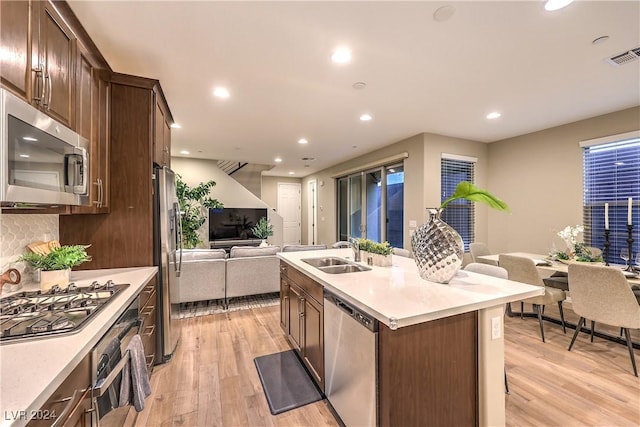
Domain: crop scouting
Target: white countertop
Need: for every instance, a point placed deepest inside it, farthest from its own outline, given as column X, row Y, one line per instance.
column 397, row 296
column 30, row 371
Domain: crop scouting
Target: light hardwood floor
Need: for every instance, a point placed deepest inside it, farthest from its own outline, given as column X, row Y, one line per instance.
column 212, row 380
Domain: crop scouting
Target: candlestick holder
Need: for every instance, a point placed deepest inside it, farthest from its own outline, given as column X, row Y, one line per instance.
column 630, row 245
column 606, row 246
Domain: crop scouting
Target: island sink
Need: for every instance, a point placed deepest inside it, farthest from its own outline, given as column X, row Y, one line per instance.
column 335, row 265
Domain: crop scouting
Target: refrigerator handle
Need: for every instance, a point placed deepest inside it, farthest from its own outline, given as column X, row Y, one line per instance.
column 178, row 235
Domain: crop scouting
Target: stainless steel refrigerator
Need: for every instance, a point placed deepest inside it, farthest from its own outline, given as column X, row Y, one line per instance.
column 168, row 258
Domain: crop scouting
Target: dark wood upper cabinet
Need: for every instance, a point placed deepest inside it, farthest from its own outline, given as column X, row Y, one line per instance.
column 53, row 44
column 162, row 138
column 15, row 38
column 92, row 122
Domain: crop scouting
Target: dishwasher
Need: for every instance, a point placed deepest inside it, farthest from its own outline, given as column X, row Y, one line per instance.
column 350, row 361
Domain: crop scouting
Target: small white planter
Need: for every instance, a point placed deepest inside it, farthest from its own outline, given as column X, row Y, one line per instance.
column 377, row 259
column 56, row 277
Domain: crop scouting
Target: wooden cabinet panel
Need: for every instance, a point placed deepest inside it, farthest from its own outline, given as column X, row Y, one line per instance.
column 167, row 143
column 429, row 372
column 158, row 142
column 92, row 119
column 148, row 331
column 15, row 42
column 56, row 45
column 79, row 410
column 302, row 318
column 295, row 319
column 284, row 304
column 313, row 350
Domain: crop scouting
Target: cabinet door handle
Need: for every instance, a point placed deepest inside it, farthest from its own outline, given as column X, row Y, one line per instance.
column 97, row 201
column 147, row 310
column 151, row 329
column 46, row 97
column 39, row 73
column 64, row 415
column 100, row 192
column 50, row 90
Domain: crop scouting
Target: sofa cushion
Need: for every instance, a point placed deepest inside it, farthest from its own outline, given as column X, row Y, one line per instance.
column 294, row 248
column 191, row 254
column 251, row 251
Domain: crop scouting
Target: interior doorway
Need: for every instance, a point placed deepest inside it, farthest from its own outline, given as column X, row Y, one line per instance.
column 288, row 208
column 312, row 209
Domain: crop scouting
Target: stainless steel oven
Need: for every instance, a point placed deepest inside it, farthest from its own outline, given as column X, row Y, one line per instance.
column 43, row 163
column 108, row 358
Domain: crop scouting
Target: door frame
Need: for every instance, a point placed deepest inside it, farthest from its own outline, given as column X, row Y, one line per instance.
column 312, row 212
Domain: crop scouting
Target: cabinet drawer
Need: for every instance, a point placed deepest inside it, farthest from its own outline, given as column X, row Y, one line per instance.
column 147, row 292
column 148, row 330
column 311, row 287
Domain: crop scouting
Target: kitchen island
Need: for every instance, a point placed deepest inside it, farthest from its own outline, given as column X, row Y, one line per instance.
column 32, row 370
column 439, row 349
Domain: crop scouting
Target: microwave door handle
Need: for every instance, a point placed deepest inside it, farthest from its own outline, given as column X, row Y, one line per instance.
column 82, row 171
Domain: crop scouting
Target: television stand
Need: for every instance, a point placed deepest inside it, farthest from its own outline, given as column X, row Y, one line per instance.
column 228, row 244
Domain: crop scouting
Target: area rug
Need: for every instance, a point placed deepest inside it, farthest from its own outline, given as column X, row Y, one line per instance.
column 285, row 381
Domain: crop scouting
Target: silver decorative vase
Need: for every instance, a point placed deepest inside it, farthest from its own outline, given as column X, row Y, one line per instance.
column 438, row 249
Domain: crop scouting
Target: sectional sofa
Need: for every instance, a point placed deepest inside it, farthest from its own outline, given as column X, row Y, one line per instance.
column 209, row 274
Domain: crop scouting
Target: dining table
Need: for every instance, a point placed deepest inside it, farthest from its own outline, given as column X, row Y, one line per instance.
column 554, row 273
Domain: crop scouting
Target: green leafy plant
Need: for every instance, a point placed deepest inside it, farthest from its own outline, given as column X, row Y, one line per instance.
column 61, row 258
column 194, row 204
column 263, row 229
column 468, row 191
column 375, row 247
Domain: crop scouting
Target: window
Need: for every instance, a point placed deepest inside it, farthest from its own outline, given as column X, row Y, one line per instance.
column 371, row 205
column 611, row 175
column 459, row 214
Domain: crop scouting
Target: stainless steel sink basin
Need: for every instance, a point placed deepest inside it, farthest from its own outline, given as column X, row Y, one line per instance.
column 335, row 265
column 325, row 261
column 341, row 269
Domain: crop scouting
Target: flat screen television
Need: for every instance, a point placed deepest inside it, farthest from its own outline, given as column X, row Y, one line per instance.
column 234, row 223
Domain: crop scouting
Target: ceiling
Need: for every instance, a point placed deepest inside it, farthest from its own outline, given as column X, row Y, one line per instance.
column 539, row 69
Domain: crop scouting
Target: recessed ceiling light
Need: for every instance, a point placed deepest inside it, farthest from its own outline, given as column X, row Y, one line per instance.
column 221, row 92
column 175, row 126
column 493, row 115
column 302, row 141
column 444, row 13
column 552, row 5
column 24, row 156
column 184, row 152
column 277, row 160
column 365, row 117
column 29, row 138
column 341, row 55
column 292, row 173
column 359, row 85
column 600, row 39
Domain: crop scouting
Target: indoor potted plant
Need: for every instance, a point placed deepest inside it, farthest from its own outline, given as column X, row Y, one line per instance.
column 380, row 253
column 263, row 230
column 194, row 206
column 55, row 266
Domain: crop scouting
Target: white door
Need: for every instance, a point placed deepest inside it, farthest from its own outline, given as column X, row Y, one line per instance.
column 289, row 209
column 312, row 220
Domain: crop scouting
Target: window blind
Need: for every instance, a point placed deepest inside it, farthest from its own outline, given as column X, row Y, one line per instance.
column 612, row 175
column 459, row 214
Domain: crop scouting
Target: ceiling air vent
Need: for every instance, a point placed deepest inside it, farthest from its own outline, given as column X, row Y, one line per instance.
column 625, row 58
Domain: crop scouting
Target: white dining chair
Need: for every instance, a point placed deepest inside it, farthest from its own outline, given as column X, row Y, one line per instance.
column 477, row 249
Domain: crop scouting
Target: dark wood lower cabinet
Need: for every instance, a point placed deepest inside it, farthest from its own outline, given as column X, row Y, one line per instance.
column 72, row 401
column 428, row 373
column 302, row 319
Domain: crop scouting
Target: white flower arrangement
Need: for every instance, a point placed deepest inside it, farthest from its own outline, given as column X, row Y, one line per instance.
column 570, row 235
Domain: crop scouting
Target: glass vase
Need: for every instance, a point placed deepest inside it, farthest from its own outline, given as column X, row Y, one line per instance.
column 438, row 249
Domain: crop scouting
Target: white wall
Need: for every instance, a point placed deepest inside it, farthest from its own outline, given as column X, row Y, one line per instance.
column 540, row 176
column 227, row 190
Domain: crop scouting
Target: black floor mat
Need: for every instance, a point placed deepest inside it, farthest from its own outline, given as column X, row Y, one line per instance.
column 285, row 381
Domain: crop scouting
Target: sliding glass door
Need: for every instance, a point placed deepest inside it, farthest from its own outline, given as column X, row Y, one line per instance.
column 371, row 205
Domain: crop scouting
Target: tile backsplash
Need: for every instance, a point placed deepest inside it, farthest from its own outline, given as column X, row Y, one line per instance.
column 17, row 231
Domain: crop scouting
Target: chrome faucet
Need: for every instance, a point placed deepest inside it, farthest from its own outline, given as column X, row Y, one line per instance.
column 355, row 245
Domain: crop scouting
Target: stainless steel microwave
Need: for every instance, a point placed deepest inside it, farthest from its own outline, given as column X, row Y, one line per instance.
column 44, row 163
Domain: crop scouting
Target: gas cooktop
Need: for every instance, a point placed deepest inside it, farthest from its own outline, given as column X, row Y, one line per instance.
column 39, row 314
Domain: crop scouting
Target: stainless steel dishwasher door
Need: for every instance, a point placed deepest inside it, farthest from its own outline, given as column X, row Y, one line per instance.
column 350, row 362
